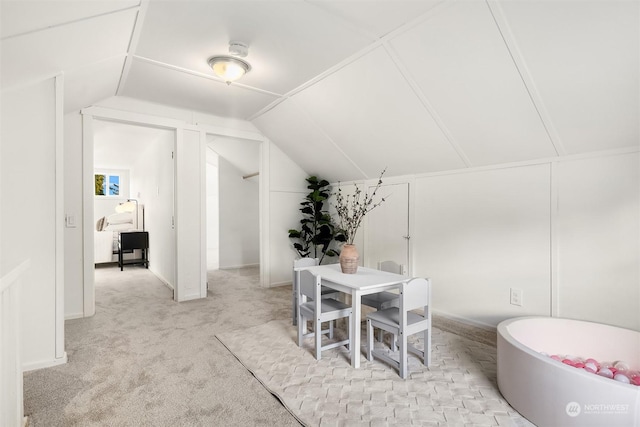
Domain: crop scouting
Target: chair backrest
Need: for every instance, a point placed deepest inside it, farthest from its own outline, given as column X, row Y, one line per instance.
column 415, row 294
column 305, row 262
column 307, row 286
column 390, row 266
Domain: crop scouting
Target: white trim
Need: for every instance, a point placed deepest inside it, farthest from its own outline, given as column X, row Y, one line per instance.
column 133, row 44
column 239, row 266
column 590, row 155
column 88, row 274
column 233, row 133
column 45, row 364
column 424, row 100
column 554, row 261
column 509, row 39
column 8, row 279
column 72, row 316
column 265, row 214
column 203, row 214
column 59, row 217
column 465, row 320
column 133, row 117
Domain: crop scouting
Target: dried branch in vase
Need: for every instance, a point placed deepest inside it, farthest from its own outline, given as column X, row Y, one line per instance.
column 351, row 210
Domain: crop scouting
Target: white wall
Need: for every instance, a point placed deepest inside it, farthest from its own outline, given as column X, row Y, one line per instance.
column 598, row 238
column 287, row 188
column 152, row 185
column 238, row 217
column 478, row 234
column 73, row 247
column 31, row 225
column 191, row 268
column 73, row 146
column 565, row 233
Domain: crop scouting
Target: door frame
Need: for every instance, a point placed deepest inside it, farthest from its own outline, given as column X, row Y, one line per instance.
column 263, row 189
column 88, row 116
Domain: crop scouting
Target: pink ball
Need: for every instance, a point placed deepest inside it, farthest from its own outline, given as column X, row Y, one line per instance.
column 568, row 362
column 605, row 372
column 612, row 369
column 635, row 381
column 594, row 362
column 588, row 369
column 556, row 357
column 592, row 366
column 579, row 365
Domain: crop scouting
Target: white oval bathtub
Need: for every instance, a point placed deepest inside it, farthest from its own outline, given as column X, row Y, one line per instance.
column 550, row 393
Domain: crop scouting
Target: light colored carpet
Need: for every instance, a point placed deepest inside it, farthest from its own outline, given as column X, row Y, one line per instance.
column 145, row 360
column 458, row 389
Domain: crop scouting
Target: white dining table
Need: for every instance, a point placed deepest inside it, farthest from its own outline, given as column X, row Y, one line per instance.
column 365, row 281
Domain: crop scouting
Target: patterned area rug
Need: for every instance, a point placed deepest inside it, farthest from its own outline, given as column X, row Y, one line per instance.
column 459, row 388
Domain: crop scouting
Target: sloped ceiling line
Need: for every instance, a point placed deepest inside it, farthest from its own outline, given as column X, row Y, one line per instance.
column 364, row 51
column 346, row 20
column 318, row 78
column 406, row 74
column 512, row 47
column 199, row 74
column 326, row 135
column 74, row 21
column 133, row 43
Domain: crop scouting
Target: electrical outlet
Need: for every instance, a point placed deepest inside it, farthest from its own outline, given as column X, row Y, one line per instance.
column 516, row 297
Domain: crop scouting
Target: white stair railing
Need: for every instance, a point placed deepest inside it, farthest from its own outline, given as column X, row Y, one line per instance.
column 11, row 393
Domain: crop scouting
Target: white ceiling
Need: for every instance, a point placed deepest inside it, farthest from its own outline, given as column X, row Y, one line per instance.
column 349, row 87
column 243, row 154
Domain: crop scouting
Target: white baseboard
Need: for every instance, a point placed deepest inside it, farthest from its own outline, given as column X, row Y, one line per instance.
column 238, row 266
column 72, row 316
column 285, row 283
column 162, row 279
column 465, row 320
column 26, row 367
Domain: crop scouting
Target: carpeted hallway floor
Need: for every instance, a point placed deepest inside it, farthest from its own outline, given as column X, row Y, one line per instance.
column 145, row 360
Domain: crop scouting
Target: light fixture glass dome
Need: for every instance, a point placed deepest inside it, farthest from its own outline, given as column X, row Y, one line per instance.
column 229, row 68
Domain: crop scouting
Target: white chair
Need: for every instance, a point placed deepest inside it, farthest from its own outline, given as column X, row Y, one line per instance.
column 414, row 294
column 326, row 292
column 318, row 309
column 382, row 300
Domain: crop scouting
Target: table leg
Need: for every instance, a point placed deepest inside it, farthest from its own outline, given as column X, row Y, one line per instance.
column 355, row 329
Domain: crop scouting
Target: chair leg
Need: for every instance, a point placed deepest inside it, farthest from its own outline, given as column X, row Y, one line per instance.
column 427, row 347
column 394, row 343
column 403, row 356
column 380, row 335
column 317, row 335
column 302, row 324
column 369, row 340
column 331, row 329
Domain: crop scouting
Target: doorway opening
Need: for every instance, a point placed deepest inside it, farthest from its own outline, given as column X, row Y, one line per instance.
column 233, row 205
column 134, row 193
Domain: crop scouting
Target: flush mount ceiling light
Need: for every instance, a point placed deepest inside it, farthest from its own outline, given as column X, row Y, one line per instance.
column 231, row 68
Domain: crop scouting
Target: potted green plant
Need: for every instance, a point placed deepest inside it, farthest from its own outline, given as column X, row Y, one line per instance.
column 351, row 210
column 317, row 230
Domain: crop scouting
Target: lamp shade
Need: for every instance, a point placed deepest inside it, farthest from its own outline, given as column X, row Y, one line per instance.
column 229, row 68
column 128, row 206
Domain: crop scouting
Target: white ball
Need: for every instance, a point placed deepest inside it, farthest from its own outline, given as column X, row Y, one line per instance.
column 622, row 378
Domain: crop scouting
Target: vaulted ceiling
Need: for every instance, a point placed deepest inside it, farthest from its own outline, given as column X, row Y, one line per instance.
column 349, row 87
